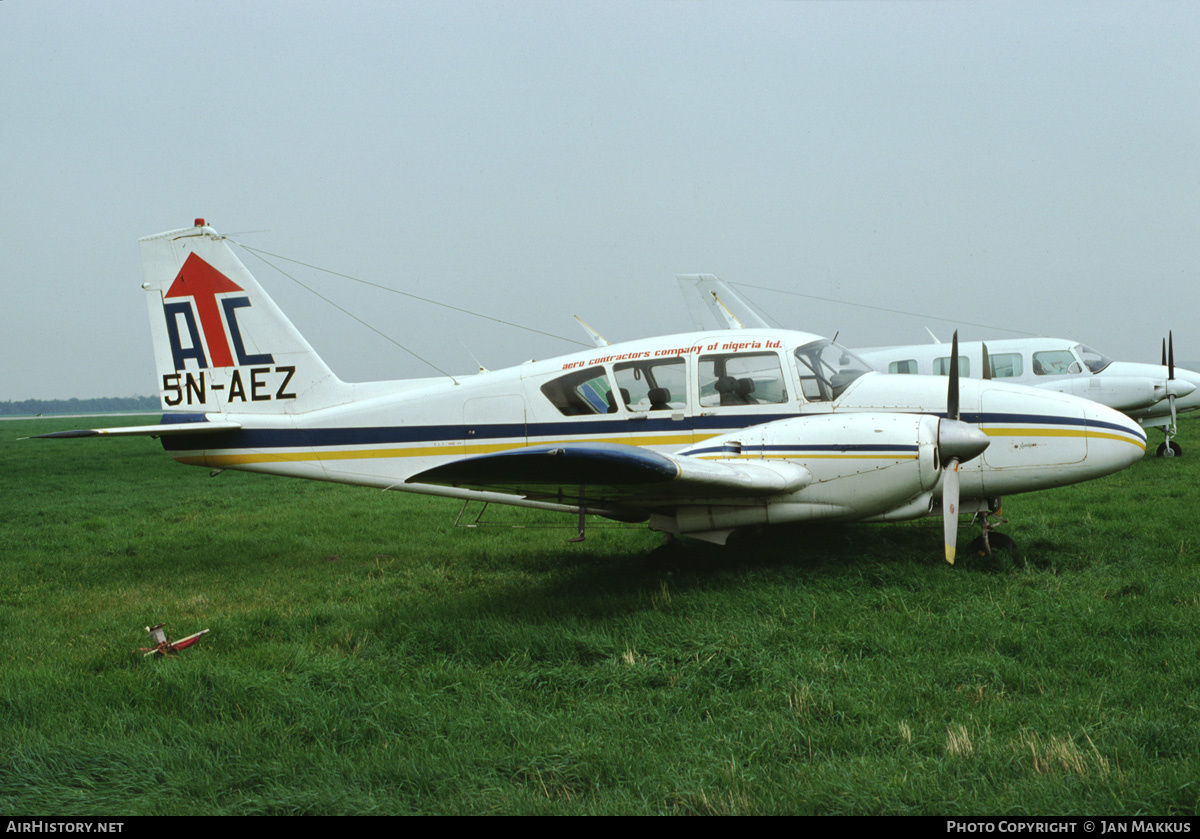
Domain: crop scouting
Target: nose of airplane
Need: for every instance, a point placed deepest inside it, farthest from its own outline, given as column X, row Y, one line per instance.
column 1114, row 440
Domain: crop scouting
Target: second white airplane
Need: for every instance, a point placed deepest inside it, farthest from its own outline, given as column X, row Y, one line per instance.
column 1151, row 394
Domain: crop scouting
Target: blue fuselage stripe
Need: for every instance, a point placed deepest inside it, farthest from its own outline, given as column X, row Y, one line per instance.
column 259, row 439
column 833, row 447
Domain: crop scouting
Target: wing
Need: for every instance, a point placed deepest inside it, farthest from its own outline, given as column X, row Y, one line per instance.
column 611, row 475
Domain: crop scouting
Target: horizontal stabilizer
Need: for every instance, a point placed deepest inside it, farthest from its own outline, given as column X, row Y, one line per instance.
column 166, row 428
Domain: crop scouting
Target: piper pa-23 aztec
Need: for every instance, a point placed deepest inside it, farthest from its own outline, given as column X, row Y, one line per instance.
column 699, row 434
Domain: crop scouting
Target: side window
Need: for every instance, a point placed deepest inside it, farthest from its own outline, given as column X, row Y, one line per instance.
column 1055, row 363
column 658, row 385
column 741, row 379
column 582, row 392
column 1005, row 365
column 827, row 369
column 941, row 366
column 909, row 366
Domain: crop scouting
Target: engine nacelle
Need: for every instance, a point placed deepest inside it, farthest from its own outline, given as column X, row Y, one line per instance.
column 1124, row 393
column 864, row 465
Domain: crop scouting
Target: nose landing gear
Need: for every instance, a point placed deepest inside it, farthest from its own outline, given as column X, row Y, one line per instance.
column 1169, row 448
column 990, row 540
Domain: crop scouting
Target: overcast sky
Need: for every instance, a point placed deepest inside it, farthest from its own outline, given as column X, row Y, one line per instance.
column 1024, row 166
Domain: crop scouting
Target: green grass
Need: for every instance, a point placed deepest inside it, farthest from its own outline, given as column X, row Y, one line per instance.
column 368, row 657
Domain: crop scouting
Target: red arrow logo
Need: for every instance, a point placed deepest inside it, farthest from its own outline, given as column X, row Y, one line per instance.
column 200, row 281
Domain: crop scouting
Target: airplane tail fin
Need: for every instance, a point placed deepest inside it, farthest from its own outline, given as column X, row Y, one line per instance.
column 220, row 343
column 711, row 302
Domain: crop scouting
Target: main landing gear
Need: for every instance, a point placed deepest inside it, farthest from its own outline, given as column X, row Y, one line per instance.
column 990, row 540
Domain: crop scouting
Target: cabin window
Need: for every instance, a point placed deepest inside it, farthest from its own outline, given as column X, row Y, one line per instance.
column 658, row 385
column 1005, row 365
column 741, row 379
column 827, row 369
column 941, row 366
column 1055, row 363
column 909, row 366
column 582, row 392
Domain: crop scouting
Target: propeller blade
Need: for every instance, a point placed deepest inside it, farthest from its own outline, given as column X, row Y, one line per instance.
column 956, row 439
column 952, row 389
column 1171, row 373
column 950, row 508
column 987, row 366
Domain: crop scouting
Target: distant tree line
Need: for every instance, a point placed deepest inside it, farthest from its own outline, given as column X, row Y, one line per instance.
column 103, row 405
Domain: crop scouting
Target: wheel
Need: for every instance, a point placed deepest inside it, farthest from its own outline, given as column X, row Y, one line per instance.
column 998, row 542
column 1171, row 449
column 1001, row 542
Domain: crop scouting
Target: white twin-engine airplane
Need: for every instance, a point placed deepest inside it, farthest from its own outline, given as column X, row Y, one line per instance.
column 699, row 434
column 1152, row 394
column 1149, row 393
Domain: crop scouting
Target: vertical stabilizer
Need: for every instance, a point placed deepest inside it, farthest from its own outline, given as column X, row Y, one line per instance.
column 220, row 343
column 711, row 302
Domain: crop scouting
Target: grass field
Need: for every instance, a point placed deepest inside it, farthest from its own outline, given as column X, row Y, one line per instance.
column 365, row 656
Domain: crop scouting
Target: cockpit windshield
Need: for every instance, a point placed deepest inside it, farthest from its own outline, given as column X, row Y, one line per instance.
column 826, row 369
column 1094, row 359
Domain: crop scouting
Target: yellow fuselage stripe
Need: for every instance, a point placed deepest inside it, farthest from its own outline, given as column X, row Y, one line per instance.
column 1056, row 432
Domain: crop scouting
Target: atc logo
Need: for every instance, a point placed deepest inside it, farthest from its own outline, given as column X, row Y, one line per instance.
column 202, row 282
